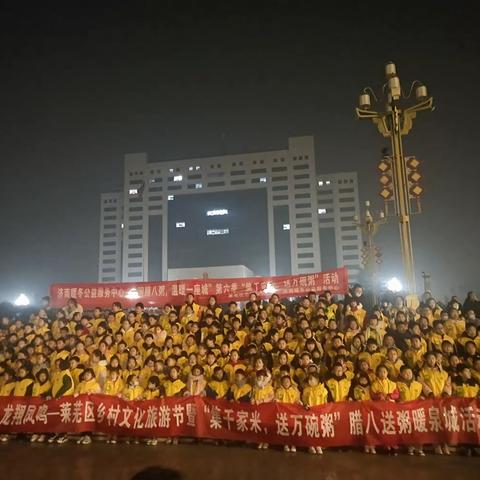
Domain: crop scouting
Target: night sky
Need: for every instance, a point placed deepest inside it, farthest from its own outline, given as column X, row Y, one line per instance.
column 80, row 87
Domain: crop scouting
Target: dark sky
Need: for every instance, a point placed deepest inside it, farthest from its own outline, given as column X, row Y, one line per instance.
column 82, row 86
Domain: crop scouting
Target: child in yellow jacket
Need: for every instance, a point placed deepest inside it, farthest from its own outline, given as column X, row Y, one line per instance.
column 314, row 394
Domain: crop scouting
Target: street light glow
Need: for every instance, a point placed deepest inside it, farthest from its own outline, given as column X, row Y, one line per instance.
column 132, row 294
column 270, row 289
column 22, row 300
column 394, row 285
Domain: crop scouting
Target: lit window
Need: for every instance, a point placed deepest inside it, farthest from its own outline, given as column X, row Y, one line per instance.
column 190, row 169
column 198, row 185
column 218, row 231
column 320, row 183
column 133, row 191
column 327, row 182
column 180, row 224
column 170, row 170
column 286, row 226
column 177, row 178
column 171, row 197
column 213, row 213
column 322, row 211
column 197, row 167
column 123, row 226
column 263, row 179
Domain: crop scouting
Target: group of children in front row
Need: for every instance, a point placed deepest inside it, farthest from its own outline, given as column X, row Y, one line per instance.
column 258, row 355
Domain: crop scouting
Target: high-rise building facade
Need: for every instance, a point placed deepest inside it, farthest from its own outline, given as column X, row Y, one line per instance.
column 258, row 209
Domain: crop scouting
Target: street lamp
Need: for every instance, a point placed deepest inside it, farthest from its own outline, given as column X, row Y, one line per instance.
column 22, row 301
column 371, row 255
column 394, row 122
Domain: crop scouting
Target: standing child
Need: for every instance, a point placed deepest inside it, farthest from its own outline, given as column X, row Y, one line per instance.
column 287, row 393
column 314, row 394
column 409, row 390
column 174, row 387
column 262, row 393
column 88, row 385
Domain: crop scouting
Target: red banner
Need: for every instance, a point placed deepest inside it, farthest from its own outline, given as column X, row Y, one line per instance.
column 435, row 421
column 92, row 295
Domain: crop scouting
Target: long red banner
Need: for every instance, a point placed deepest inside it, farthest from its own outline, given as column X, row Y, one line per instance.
column 92, row 295
column 434, row 421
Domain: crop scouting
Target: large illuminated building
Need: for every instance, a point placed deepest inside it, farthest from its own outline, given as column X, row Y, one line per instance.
column 269, row 212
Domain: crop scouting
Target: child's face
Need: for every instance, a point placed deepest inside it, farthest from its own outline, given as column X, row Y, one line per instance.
column 286, row 382
column 219, row 375
column 152, row 386
column 382, row 373
column 173, row 374
column 134, row 381
column 337, row 371
column 114, row 375
column 313, row 381
column 87, row 376
column 407, row 375
column 392, row 355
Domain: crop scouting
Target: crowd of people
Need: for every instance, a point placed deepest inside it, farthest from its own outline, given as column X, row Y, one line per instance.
column 316, row 350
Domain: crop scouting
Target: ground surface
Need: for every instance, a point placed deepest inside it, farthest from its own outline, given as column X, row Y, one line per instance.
column 120, row 462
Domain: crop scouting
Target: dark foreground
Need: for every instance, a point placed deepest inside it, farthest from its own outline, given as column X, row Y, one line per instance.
column 120, row 462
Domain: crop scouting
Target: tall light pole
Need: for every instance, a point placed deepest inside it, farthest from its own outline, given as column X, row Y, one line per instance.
column 401, row 174
column 371, row 255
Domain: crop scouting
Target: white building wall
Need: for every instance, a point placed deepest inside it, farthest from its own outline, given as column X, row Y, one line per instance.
column 338, row 195
column 288, row 175
column 111, row 234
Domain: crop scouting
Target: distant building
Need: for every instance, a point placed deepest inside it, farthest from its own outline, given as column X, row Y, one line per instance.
column 262, row 210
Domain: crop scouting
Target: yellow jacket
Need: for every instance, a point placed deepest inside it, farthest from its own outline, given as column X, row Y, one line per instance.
column 219, row 388
column 338, row 389
column 133, row 393
column 313, row 396
column 435, row 381
column 173, row 388
column 409, row 392
column 7, row 389
column 361, row 393
column 465, row 390
column 23, row 387
column 41, row 389
column 62, row 384
column 113, row 387
column 264, row 394
column 151, row 394
column 90, row 386
column 287, row 395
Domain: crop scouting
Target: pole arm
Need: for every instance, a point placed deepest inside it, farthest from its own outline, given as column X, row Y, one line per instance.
column 378, row 118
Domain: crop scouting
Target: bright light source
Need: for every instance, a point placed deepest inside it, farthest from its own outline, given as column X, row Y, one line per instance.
column 198, row 185
column 180, row 224
column 22, row 300
column 171, row 197
column 212, row 213
column 132, row 294
column 197, row 167
column 190, row 169
column 263, row 179
column 322, row 211
column 270, row 289
column 122, row 226
column 395, row 285
column 170, row 170
column 327, row 182
column 133, row 191
column 177, row 178
column 320, row 183
column 218, row 231
column 286, row 226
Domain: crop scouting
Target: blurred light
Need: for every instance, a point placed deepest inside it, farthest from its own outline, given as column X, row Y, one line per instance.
column 180, row 224
column 132, row 294
column 198, row 185
column 177, row 178
column 22, row 300
column 394, row 285
column 122, row 226
column 327, row 182
column 286, row 226
column 218, row 231
column 263, row 179
column 270, row 289
column 322, row 211
column 133, row 191
column 171, row 197
column 222, row 211
column 320, row 183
